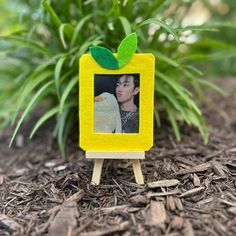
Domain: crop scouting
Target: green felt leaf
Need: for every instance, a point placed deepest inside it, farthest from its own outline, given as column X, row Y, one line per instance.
column 104, row 57
column 126, row 49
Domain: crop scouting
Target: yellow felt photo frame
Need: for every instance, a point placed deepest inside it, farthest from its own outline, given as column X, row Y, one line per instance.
column 142, row 64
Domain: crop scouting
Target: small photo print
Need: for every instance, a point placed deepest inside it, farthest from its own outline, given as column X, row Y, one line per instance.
column 116, row 103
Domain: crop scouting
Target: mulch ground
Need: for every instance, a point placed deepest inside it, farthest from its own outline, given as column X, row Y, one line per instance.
column 190, row 188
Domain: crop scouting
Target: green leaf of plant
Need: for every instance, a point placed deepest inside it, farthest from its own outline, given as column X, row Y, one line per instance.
column 180, row 90
column 29, row 107
column 31, row 82
column 68, row 28
column 223, row 24
column 157, row 116
column 199, row 122
column 71, row 119
column 52, row 13
column 194, row 70
column 104, row 57
column 162, row 57
column 65, row 94
column 46, row 63
column 163, row 25
column 45, row 117
column 202, row 81
column 64, row 123
column 126, row 49
column 48, row 115
column 155, row 6
column 78, row 28
column 84, row 47
column 27, row 43
column 126, row 25
column 67, row 74
column 172, row 119
column 170, row 97
column 211, row 85
column 57, row 73
column 61, row 34
column 196, row 28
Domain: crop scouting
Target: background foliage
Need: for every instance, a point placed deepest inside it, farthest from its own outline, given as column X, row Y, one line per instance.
column 41, row 43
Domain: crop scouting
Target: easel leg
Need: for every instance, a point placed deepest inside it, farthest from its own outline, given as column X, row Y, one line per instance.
column 137, row 171
column 97, row 170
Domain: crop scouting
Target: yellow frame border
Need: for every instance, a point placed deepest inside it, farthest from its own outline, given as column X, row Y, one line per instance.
column 143, row 64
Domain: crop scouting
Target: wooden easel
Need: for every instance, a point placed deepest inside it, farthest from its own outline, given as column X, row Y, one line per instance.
column 99, row 159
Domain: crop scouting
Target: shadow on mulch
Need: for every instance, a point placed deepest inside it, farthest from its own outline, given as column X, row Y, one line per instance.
column 41, row 194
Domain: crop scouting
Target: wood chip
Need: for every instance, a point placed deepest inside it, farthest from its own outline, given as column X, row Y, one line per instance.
column 218, row 169
column 232, row 210
column 178, row 203
column 65, row 220
column 207, row 182
column 82, row 227
column 221, row 229
column 149, row 195
column 1, row 179
column 76, row 196
column 231, row 150
column 192, row 192
column 156, row 215
column 60, row 168
column 196, row 180
column 115, row 209
column 184, row 160
column 178, row 153
column 227, row 202
column 198, row 168
column 188, row 229
column 138, row 200
column 10, row 225
column 163, row 183
column 231, row 196
column 214, row 154
column 133, row 209
column 111, row 230
column 205, row 201
column 177, row 222
column 171, row 203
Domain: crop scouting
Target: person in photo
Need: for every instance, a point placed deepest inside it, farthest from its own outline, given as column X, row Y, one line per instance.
column 127, row 88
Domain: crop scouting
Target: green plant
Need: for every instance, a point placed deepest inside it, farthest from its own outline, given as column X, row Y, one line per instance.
column 40, row 61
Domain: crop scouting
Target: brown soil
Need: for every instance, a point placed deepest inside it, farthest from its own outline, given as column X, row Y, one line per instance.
column 41, row 194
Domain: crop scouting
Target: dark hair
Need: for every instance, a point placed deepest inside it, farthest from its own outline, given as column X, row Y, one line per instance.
column 135, row 79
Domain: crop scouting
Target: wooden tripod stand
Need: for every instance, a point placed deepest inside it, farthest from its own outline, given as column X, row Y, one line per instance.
column 99, row 159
